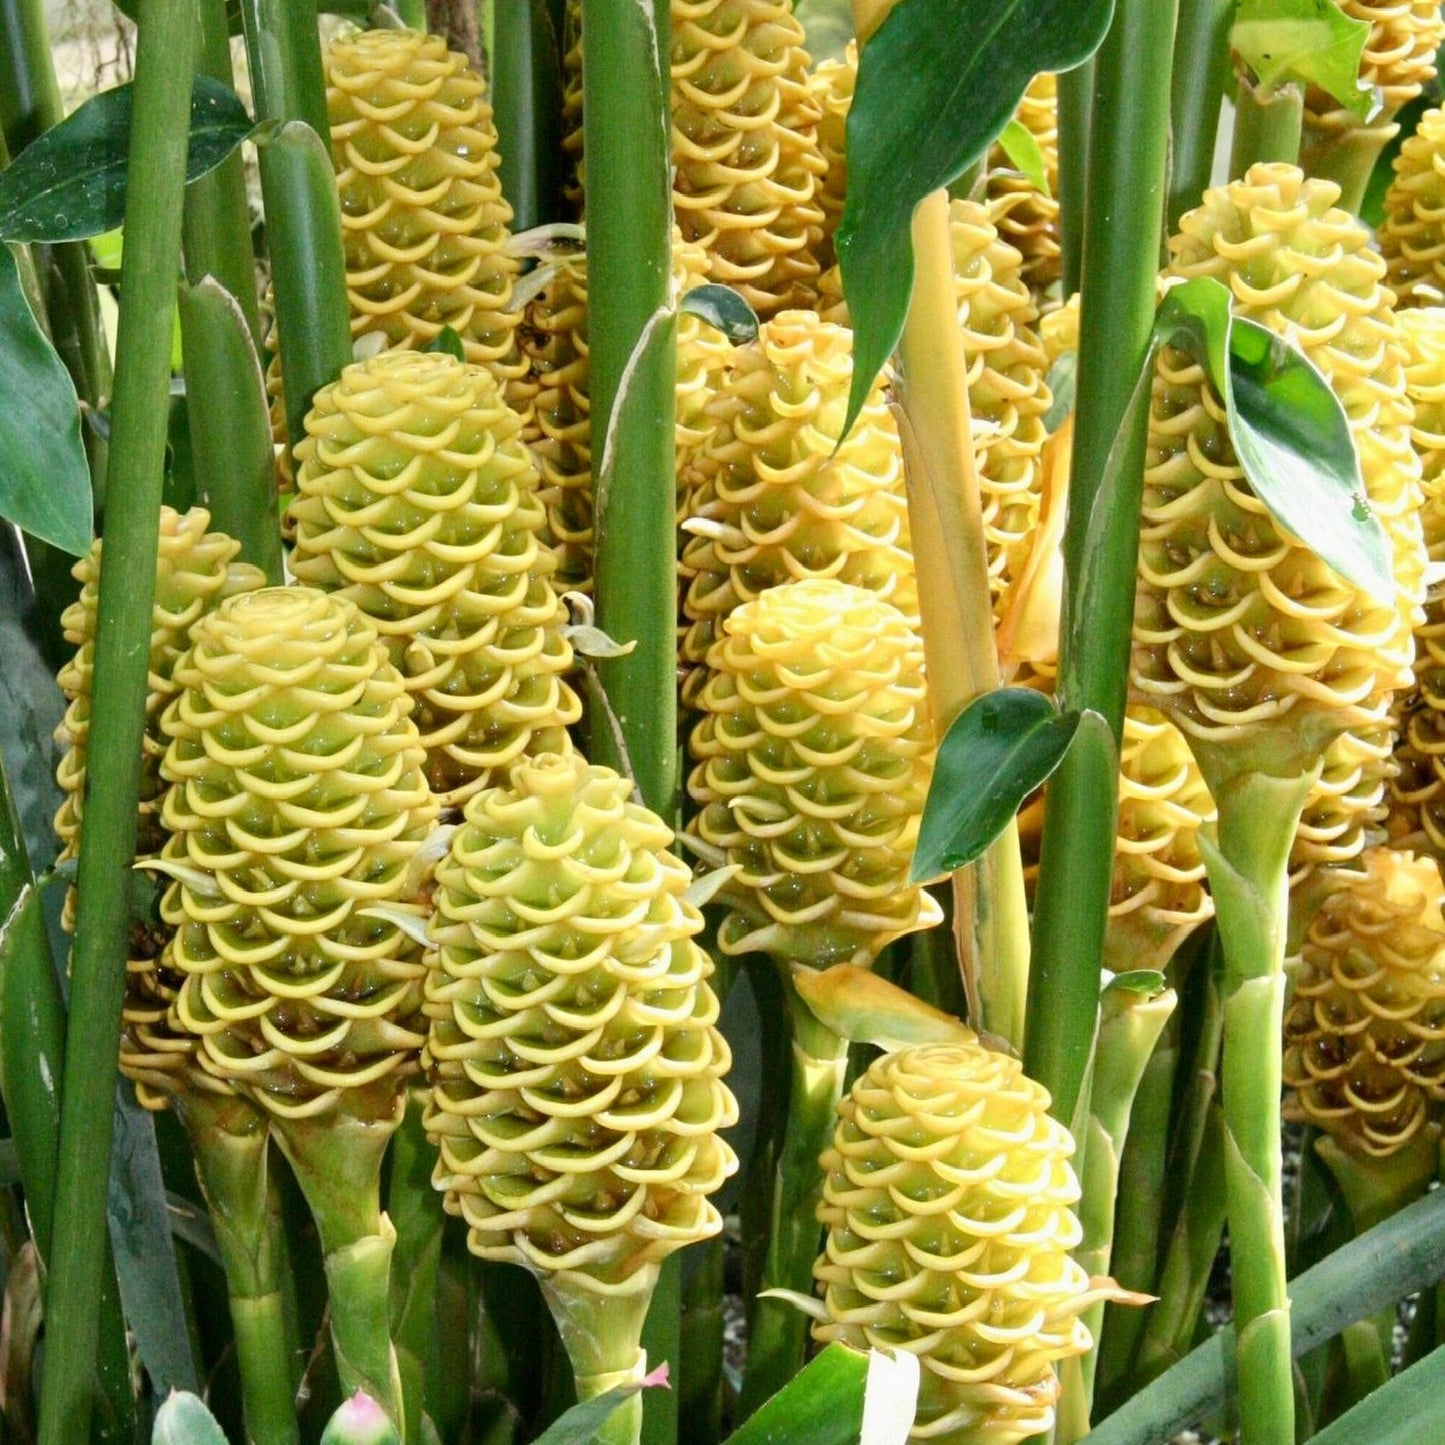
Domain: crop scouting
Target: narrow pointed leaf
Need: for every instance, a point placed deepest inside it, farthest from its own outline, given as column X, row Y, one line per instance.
column 446, row 340
column 863, row 1007
column 184, row 1420
column 70, row 183
column 1403, row 1411
column 936, row 84
column 44, row 478
column 1289, row 432
column 582, row 1421
column 1025, row 154
column 1310, row 41
column 721, row 307
column 998, row 750
column 825, row 1404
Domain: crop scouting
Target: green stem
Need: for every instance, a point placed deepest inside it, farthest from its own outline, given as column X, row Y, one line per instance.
column 229, row 1140
column 527, row 105
column 283, row 46
column 411, row 13
column 217, row 228
column 154, row 195
column 1348, row 158
column 1128, row 145
column 1076, row 95
column 700, row 1373
column 778, row 1332
column 603, row 1338
column 1248, row 875
column 1267, row 125
column 337, row 1162
column 1129, row 1028
column 760, row 1175
column 1201, row 71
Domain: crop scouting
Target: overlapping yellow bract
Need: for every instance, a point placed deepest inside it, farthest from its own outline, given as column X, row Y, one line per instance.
column 1026, row 217
column 573, row 1050
column 949, row 1207
column 1412, row 232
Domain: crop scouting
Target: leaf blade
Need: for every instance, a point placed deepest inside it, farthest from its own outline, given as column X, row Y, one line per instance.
column 996, row 752
column 922, row 113
column 1312, row 42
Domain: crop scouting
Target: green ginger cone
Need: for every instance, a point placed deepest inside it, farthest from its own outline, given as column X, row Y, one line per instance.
column 576, row 1066
column 949, row 1208
column 419, row 503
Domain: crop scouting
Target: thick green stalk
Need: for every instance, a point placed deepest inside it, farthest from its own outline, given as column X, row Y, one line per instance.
column 1267, row 125
column 632, row 335
column 337, row 1163
column 217, row 228
column 603, row 1338
column 1249, row 877
column 760, row 1173
column 411, row 13
column 230, row 1141
column 1076, row 95
column 1201, row 72
column 283, row 46
column 527, row 106
column 1129, row 1027
column 700, row 1376
column 1128, row 145
column 778, row 1331
column 1349, row 157
column 157, row 160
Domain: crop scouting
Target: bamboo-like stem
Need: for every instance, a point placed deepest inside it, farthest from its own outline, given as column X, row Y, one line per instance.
column 1349, row 158
column 700, row 1382
column 1248, row 875
column 157, row 159
column 632, row 336
column 1127, row 149
column 411, row 13
column 1075, row 102
column 283, row 46
column 1129, row 1028
column 337, row 1163
column 990, row 909
column 230, row 1142
column 778, row 1332
column 527, row 107
column 216, row 232
column 1201, row 72
column 603, row 1338
column 1267, row 125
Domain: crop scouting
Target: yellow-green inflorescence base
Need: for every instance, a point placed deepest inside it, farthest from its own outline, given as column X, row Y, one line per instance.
column 814, row 756
column 297, row 802
column 1365, row 1032
column 419, row 502
column 949, row 1208
column 576, row 1066
column 1242, row 635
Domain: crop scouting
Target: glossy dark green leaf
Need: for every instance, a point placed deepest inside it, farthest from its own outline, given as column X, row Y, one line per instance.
column 447, row 340
column 936, row 84
column 44, row 476
column 1289, row 432
column 582, row 1421
column 1310, row 41
column 70, row 183
column 997, row 751
column 1025, row 154
column 184, row 1420
column 724, row 309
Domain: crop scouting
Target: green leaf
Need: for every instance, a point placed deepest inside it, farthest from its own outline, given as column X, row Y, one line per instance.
column 1312, row 42
column 70, row 183
column 447, row 340
column 1289, row 432
column 843, row 1397
column 1403, row 1411
column 44, row 477
column 936, row 84
column 998, row 750
column 1025, row 154
column 184, row 1420
column 723, row 309
column 582, row 1421
column 1062, row 383
column 1146, row 981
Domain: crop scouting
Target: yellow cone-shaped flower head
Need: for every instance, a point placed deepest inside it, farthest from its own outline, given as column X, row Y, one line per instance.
column 576, row 1066
column 1007, row 392
column 1026, row 217
column 771, row 500
column 1365, row 1032
column 419, row 503
column 1417, row 810
column 949, row 1207
column 196, row 570
column 297, row 802
column 814, row 756
column 1412, row 233
column 1242, row 634
column 745, row 147
column 576, row 183
column 423, row 216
